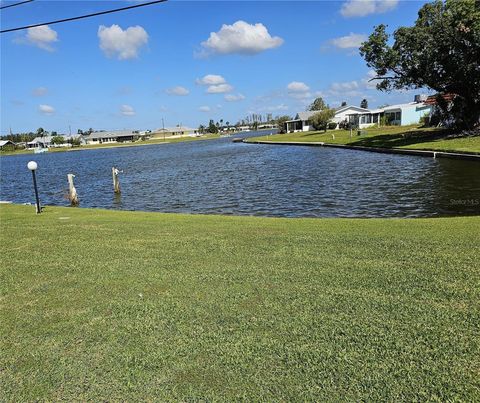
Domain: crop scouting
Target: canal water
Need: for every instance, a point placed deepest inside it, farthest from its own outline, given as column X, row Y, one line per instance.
column 222, row 177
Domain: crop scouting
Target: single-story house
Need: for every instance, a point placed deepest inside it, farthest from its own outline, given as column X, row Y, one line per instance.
column 406, row 114
column 174, row 131
column 114, row 136
column 4, row 144
column 365, row 117
column 40, row 142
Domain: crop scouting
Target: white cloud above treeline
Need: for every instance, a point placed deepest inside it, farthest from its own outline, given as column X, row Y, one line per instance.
column 122, row 44
column 178, row 91
column 361, row 8
column 298, row 90
column 240, row 38
column 127, row 110
column 349, row 41
column 234, row 98
column 46, row 109
column 42, row 37
column 216, row 84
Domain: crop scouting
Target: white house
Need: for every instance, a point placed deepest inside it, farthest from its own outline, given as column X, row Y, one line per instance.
column 365, row 117
column 40, row 142
column 175, row 131
column 115, row 136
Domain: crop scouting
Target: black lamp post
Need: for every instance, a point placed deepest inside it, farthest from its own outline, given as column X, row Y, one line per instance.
column 32, row 165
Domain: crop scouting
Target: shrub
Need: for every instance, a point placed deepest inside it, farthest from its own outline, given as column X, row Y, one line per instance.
column 332, row 126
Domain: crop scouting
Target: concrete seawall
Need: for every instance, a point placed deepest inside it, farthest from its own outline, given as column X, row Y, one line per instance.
column 420, row 153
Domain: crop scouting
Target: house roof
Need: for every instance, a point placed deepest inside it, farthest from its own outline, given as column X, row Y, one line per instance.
column 5, row 142
column 407, row 105
column 176, row 129
column 112, row 133
column 432, row 99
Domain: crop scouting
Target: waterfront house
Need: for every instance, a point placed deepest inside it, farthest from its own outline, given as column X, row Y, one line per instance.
column 174, row 131
column 115, row 136
column 40, row 142
column 406, row 114
column 6, row 144
column 366, row 117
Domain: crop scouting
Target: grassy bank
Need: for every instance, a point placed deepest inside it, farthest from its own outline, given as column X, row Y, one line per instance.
column 410, row 137
column 116, row 145
column 102, row 305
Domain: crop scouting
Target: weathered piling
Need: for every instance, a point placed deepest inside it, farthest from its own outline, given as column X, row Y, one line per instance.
column 116, row 182
column 72, row 192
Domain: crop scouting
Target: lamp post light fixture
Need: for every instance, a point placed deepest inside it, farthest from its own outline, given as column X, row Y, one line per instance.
column 32, row 165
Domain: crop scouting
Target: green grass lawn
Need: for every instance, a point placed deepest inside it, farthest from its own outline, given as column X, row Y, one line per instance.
column 103, row 305
column 411, row 137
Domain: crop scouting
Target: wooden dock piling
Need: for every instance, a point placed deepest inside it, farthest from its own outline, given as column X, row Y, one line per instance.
column 72, row 192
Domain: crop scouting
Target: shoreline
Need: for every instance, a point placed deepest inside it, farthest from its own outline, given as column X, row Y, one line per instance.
column 472, row 156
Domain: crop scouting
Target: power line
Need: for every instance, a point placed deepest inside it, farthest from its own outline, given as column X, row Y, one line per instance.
column 82, row 16
column 16, row 4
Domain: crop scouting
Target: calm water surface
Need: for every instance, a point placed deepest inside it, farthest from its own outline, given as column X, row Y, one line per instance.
column 221, row 177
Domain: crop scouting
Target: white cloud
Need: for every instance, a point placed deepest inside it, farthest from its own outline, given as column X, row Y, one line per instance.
column 234, row 98
column 211, row 79
column 298, row 90
column 349, row 41
column 298, row 86
column 179, row 91
column 216, row 84
column 127, row 110
column 242, row 38
column 370, row 85
column 46, row 109
column 122, row 44
column 43, row 37
column 39, row 91
column 361, row 8
column 204, row 109
column 219, row 89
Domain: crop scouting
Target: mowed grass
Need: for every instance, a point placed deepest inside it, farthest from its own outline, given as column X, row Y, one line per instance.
column 104, row 305
column 411, row 137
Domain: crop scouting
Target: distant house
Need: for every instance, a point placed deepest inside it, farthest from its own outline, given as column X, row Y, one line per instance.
column 174, row 131
column 6, row 144
column 40, row 142
column 301, row 123
column 116, row 136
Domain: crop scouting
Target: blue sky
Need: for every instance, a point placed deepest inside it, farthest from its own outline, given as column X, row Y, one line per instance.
column 186, row 62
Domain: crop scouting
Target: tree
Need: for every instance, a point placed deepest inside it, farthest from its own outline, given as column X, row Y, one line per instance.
column 364, row 104
column 441, row 51
column 344, row 103
column 40, row 132
column 280, row 122
column 211, row 127
column 317, row 105
column 201, row 129
column 320, row 119
column 58, row 140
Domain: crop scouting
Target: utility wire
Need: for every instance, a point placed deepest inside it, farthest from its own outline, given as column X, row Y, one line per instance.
column 83, row 16
column 16, row 4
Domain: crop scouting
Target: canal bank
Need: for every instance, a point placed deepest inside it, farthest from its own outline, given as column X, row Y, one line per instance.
column 421, row 153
